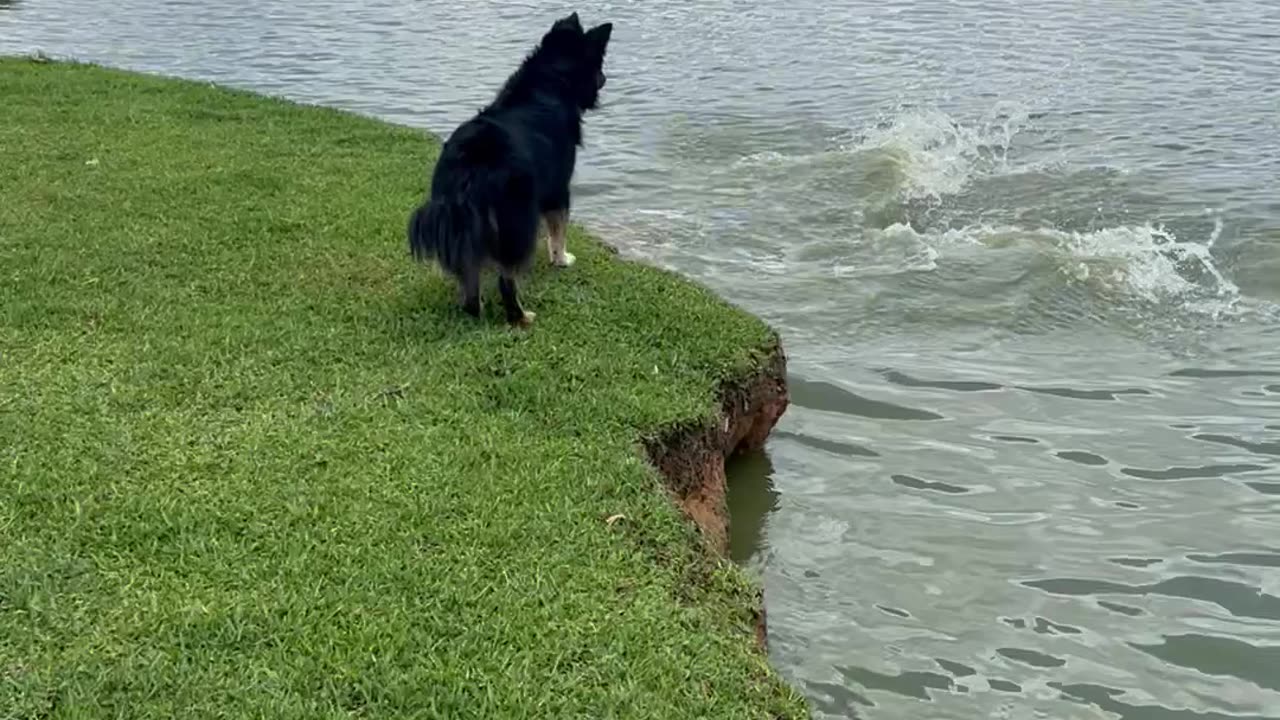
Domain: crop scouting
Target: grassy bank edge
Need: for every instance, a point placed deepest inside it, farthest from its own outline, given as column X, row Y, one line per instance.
column 717, row 583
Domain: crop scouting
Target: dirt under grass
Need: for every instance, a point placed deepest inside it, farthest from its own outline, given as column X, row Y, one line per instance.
column 255, row 463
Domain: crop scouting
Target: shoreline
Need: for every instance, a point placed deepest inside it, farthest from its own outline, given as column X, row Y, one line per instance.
column 692, row 458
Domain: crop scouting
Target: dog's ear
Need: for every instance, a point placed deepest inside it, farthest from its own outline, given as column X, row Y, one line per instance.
column 598, row 37
column 568, row 23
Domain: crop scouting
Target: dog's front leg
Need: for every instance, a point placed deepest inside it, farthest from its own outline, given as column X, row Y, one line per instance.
column 557, row 232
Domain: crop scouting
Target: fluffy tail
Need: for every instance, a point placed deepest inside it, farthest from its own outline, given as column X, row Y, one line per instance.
column 448, row 230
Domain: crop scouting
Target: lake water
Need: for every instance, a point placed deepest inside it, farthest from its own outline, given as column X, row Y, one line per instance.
column 1026, row 261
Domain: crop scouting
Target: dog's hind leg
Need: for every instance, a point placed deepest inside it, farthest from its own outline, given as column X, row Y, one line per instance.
column 514, row 244
column 516, row 315
column 469, row 291
column 557, row 232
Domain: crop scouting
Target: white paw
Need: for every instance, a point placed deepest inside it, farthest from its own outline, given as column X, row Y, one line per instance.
column 564, row 259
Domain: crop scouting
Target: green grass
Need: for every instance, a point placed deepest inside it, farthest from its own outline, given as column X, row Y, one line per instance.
column 254, row 462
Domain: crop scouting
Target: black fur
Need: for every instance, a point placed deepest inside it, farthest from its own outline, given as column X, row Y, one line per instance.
column 511, row 164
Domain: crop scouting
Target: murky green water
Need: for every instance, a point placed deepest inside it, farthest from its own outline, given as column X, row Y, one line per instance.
column 1026, row 258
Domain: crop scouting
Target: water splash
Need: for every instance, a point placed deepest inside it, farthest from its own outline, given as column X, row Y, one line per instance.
column 1153, row 263
column 1144, row 263
column 936, row 155
column 924, row 194
column 917, row 154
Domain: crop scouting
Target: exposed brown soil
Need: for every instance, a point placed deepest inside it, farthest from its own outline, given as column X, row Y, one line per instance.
column 692, row 459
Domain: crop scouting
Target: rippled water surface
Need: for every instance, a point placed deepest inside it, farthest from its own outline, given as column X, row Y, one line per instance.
column 1026, row 259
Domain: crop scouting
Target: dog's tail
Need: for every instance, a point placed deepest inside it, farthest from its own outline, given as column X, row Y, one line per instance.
column 448, row 230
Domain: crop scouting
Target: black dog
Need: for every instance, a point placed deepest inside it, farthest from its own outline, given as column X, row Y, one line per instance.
column 510, row 165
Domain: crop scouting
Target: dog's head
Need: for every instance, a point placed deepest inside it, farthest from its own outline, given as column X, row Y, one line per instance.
column 579, row 55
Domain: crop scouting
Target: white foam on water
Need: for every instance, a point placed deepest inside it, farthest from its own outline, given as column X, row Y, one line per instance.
column 933, row 154
column 1144, row 262
column 766, row 158
column 1154, row 264
column 938, row 155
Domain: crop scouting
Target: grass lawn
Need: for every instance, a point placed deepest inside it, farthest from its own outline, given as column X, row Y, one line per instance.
column 254, row 462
